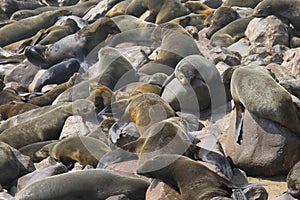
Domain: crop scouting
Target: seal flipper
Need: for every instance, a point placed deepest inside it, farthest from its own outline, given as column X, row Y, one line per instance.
column 240, row 111
column 238, row 194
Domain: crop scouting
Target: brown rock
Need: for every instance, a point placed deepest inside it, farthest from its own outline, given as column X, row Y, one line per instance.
column 160, row 191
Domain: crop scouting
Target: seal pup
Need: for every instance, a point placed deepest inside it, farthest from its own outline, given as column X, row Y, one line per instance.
column 90, row 184
column 82, row 149
column 288, row 9
column 101, row 97
column 28, row 27
column 197, row 82
column 254, row 89
column 47, row 126
column 231, row 33
column 10, row 110
column 163, row 10
column 77, row 45
column 194, row 182
column 293, row 182
column 48, row 97
column 57, row 74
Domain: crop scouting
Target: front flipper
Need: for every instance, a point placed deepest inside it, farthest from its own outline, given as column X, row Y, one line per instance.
column 240, row 111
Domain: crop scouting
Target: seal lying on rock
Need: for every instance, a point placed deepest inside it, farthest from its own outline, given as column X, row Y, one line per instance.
column 293, row 181
column 93, row 184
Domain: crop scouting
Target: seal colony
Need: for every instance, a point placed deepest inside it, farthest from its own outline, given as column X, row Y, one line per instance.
column 139, row 88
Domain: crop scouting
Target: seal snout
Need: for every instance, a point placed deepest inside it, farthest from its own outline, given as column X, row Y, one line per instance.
column 35, row 56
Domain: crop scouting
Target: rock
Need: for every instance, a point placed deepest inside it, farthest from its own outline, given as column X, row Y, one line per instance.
column 268, row 31
column 219, row 54
column 6, row 196
column 266, row 148
column 293, row 181
column 240, row 46
column 127, row 168
column 74, row 125
column 22, row 73
column 45, row 163
column 291, row 62
column 158, row 190
column 278, row 70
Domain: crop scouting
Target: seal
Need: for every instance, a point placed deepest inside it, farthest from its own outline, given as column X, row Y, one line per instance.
column 193, row 182
column 198, row 7
column 287, row 9
column 237, row 3
column 164, row 10
column 48, row 97
column 47, row 126
column 31, row 149
column 57, row 74
column 249, row 88
column 77, row 45
column 293, row 182
column 196, row 79
column 9, row 95
column 128, row 22
column 192, row 19
column 86, row 184
column 220, row 18
column 10, row 110
column 118, row 9
column 28, row 27
column 176, row 43
column 231, row 33
column 82, row 149
column 100, row 96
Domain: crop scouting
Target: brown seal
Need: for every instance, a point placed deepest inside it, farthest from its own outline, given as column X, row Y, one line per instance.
column 245, row 3
column 82, row 149
column 28, row 27
column 118, row 9
column 293, row 181
column 231, row 33
column 89, row 184
column 198, row 7
column 193, row 180
column 254, row 89
column 48, row 97
column 9, row 95
column 100, row 96
column 47, row 126
column 10, row 110
column 164, row 10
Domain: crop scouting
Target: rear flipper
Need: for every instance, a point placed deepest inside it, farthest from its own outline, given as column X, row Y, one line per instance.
column 240, row 111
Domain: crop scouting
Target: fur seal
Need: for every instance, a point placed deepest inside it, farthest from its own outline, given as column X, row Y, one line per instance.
column 9, row 95
column 198, row 7
column 176, row 43
column 48, row 97
column 58, row 73
column 220, row 18
column 90, row 184
column 245, row 3
column 9, row 110
column 194, row 182
column 28, row 27
column 100, row 96
column 197, row 81
column 164, row 10
column 192, row 19
column 254, row 89
column 128, row 22
column 30, row 149
column 82, row 149
column 118, row 9
column 76, row 45
column 293, row 182
column 231, row 32
column 46, row 126
column 288, row 9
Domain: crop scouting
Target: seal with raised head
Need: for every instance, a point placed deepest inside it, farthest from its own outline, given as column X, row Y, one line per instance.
column 28, row 27
column 92, row 184
column 254, row 89
column 47, row 126
column 193, row 180
column 77, row 45
column 288, row 9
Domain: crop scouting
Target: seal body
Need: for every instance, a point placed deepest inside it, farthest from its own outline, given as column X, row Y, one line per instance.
column 293, row 181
